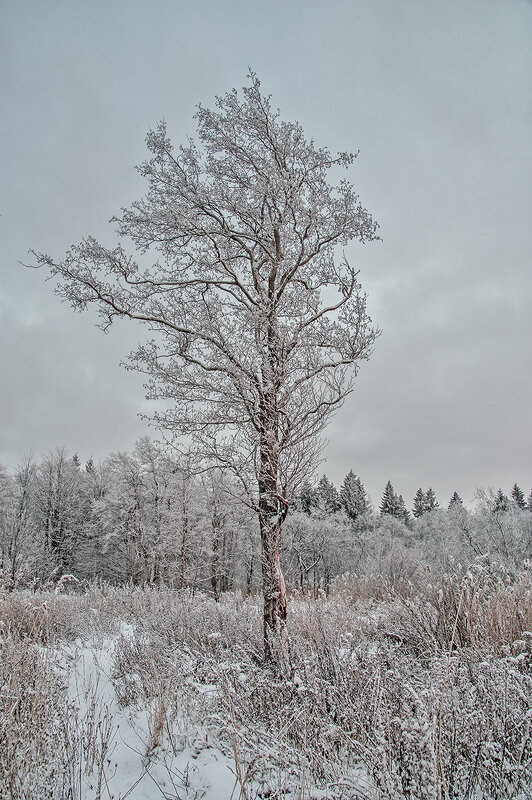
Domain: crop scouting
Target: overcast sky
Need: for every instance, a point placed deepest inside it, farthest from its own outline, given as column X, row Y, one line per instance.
column 437, row 96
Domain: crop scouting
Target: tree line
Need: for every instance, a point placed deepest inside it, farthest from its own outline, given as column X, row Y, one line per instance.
column 353, row 499
column 143, row 517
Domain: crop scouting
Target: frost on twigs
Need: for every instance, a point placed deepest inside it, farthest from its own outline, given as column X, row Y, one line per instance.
column 257, row 324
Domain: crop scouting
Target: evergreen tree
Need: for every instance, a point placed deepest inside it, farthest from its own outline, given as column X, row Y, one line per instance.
column 353, row 497
column 455, row 501
column 327, row 495
column 518, row 496
column 529, row 501
column 501, row 502
column 393, row 504
column 401, row 511
column 389, row 500
column 419, row 503
column 306, row 499
column 430, row 500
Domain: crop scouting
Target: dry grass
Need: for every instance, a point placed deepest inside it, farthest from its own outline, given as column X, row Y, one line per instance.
column 392, row 694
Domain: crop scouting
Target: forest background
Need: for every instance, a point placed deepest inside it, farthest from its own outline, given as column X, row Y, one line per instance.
column 143, row 518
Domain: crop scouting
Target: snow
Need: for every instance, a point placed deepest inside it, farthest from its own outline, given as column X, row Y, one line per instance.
column 129, row 766
column 138, row 710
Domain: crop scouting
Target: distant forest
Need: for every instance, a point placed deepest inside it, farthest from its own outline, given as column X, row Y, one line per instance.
column 143, row 518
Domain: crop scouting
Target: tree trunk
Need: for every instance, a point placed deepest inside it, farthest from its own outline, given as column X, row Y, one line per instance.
column 272, row 512
column 274, row 592
column 216, row 556
column 184, row 544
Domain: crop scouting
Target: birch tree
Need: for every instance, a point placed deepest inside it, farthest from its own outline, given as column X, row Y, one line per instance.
column 257, row 326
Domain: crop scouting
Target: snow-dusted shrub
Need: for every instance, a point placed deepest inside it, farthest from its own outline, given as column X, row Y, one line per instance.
column 317, row 546
column 485, row 745
column 457, row 728
column 47, row 616
column 502, row 529
column 371, row 587
column 33, row 709
column 26, row 615
column 363, row 698
column 192, row 619
column 483, row 606
column 422, row 724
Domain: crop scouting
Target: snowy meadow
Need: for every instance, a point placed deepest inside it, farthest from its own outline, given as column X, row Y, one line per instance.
column 398, row 688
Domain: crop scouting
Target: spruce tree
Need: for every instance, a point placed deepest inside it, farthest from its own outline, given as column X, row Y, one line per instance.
column 327, row 495
column 306, row 499
column 430, row 500
column 353, row 497
column 389, row 500
column 501, row 502
column 401, row 511
column 455, row 501
column 518, row 496
column 529, row 501
column 393, row 504
column 419, row 503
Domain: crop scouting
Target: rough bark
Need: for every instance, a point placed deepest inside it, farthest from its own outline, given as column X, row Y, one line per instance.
column 272, row 512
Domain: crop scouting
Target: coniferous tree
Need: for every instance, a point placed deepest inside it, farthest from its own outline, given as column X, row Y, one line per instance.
column 327, row 495
column 501, row 502
column 306, row 499
column 393, row 504
column 455, row 501
column 389, row 500
column 401, row 511
column 529, row 501
column 430, row 500
column 518, row 496
column 419, row 503
column 353, row 497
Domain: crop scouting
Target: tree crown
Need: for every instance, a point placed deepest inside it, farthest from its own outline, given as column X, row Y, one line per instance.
column 257, row 327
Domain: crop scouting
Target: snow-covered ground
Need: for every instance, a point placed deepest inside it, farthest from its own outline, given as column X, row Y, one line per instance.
column 129, row 758
column 143, row 752
column 119, row 693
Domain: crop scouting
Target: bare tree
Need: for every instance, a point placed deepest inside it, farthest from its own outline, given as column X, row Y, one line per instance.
column 257, row 327
column 17, row 539
column 60, row 508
